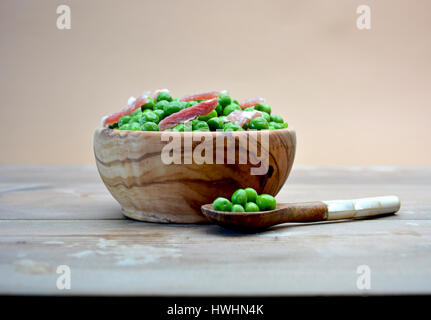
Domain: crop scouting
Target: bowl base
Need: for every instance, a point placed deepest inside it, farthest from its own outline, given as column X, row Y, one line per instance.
column 159, row 217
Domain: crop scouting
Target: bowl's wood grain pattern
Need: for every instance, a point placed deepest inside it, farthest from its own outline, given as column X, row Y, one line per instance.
column 130, row 165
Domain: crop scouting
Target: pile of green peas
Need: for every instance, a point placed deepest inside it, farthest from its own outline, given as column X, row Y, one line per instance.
column 149, row 115
column 245, row 200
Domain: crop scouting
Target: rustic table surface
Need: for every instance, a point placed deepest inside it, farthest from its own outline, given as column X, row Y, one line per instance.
column 63, row 215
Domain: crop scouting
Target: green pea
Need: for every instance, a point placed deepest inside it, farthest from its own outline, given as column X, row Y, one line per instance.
column 266, row 116
column 246, row 125
column 251, row 194
column 201, row 126
column 164, row 96
column 239, row 197
column 263, row 107
column 125, row 127
column 235, row 101
column 137, row 112
column 124, row 120
column 136, row 118
column 172, row 107
column 237, row 208
column 179, row 127
column 275, row 125
column 210, row 115
column 159, row 113
column 219, row 109
column 135, row 126
column 148, row 111
column 222, row 204
column 191, row 103
column 149, row 116
column 278, row 119
column 231, row 108
column 249, row 109
column 224, row 100
column 215, row 123
column 251, row 207
column 259, row 123
column 230, row 126
column 161, row 105
column 266, row 202
column 149, row 105
column 285, row 125
column 150, row 126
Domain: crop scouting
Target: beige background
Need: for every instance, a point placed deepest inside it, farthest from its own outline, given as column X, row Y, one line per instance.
column 354, row 97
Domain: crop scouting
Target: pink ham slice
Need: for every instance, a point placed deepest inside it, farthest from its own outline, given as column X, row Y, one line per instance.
column 201, row 109
column 242, row 117
column 136, row 104
column 250, row 103
column 201, row 96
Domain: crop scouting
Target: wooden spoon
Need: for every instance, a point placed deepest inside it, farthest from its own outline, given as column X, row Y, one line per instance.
column 303, row 212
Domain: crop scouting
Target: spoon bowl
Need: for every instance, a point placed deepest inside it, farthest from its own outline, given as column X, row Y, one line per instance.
column 255, row 221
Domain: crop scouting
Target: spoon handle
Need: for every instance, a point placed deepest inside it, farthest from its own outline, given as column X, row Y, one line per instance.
column 359, row 208
column 339, row 209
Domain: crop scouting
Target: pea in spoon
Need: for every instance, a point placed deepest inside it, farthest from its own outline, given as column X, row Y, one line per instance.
column 303, row 212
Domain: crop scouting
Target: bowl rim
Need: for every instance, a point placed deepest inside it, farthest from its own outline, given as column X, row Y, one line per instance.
column 109, row 131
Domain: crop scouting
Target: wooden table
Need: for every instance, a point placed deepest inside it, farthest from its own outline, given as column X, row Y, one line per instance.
column 63, row 215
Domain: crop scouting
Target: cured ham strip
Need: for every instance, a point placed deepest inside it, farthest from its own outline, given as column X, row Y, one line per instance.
column 132, row 106
column 131, row 100
column 139, row 102
column 250, row 103
column 201, row 96
column 242, row 117
column 199, row 109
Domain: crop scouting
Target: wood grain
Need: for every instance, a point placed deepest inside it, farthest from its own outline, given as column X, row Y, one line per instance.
column 45, row 222
column 76, row 191
column 130, row 165
column 125, row 257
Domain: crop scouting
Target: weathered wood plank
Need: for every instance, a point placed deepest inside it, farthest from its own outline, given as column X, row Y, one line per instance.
column 92, row 201
column 128, row 257
column 42, row 225
column 82, row 174
column 76, row 192
column 80, row 201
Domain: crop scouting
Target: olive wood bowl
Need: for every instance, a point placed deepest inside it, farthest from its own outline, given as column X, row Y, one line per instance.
column 130, row 165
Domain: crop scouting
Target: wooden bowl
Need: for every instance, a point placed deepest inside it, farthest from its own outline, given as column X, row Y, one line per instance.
column 130, row 165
